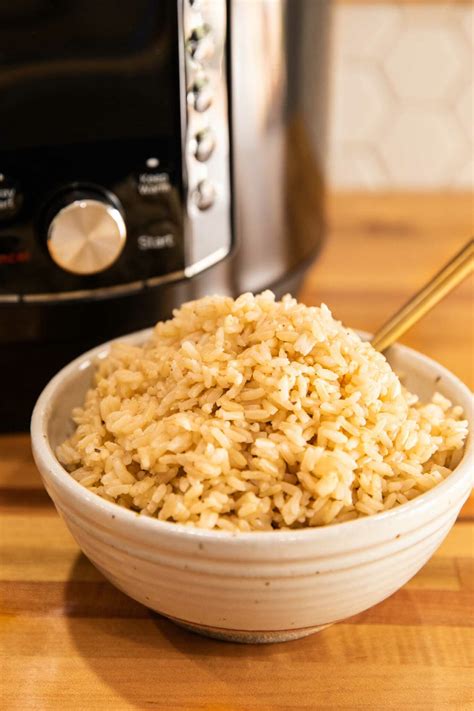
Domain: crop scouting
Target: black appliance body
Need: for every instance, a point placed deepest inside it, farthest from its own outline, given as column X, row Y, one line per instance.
column 151, row 152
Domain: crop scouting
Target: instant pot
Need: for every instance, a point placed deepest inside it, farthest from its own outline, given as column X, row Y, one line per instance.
column 150, row 152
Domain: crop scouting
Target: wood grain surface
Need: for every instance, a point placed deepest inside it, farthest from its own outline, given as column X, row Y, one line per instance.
column 69, row 640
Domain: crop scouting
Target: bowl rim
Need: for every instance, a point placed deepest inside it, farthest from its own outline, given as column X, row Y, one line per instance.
column 47, row 461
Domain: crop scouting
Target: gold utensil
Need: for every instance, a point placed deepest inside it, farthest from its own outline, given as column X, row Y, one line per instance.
column 436, row 289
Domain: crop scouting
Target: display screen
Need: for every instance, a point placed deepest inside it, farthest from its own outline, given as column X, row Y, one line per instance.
column 82, row 71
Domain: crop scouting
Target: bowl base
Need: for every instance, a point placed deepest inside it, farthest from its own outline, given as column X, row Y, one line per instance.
column 248, row 636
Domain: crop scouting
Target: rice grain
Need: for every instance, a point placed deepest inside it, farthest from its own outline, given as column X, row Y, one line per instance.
column 255, row 414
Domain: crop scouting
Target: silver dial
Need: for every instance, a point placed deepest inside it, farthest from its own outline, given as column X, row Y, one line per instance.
column 87, row 236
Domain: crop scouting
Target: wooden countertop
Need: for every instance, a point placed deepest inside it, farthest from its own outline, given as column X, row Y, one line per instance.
column 69, row 640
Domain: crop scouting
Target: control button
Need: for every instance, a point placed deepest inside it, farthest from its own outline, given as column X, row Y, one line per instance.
column 204, row 195
column 153, row 183
column 157, row 236
column 200, row 44
column 11, row 199
column 200, row 94
column 13, row 250
column 87, row 236
column 204, row 144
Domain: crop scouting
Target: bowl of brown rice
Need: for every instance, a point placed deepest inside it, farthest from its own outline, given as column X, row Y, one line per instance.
column 253, row 469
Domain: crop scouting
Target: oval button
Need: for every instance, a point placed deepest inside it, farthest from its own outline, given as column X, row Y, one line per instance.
column 204, row 144
column 200, row 43
column 200, row 94
column 205, row 195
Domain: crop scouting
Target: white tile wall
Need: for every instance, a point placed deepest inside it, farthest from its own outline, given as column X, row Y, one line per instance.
column 402, row 97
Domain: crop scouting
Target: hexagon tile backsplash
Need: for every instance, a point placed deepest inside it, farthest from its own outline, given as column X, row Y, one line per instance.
column 402, row 97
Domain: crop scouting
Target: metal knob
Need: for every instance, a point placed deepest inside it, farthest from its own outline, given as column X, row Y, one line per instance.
column 86, row 236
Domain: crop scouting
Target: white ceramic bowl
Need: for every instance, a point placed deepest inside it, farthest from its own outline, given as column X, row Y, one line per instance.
column 256, row 587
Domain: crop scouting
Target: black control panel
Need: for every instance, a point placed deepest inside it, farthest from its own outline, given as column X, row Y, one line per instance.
column 90, row 107
column 141, row 178
column 114, row 146
column 115, row 186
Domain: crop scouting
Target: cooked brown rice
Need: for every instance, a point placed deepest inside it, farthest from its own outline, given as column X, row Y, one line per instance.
column 256, row 414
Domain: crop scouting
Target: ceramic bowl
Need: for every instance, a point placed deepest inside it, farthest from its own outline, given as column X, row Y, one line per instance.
column 252, row 587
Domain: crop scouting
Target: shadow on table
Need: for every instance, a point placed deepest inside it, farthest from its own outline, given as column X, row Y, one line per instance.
column 142, row 657
column 122, row 641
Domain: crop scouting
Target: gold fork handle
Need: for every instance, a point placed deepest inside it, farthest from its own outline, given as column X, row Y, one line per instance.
column 436, row 289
